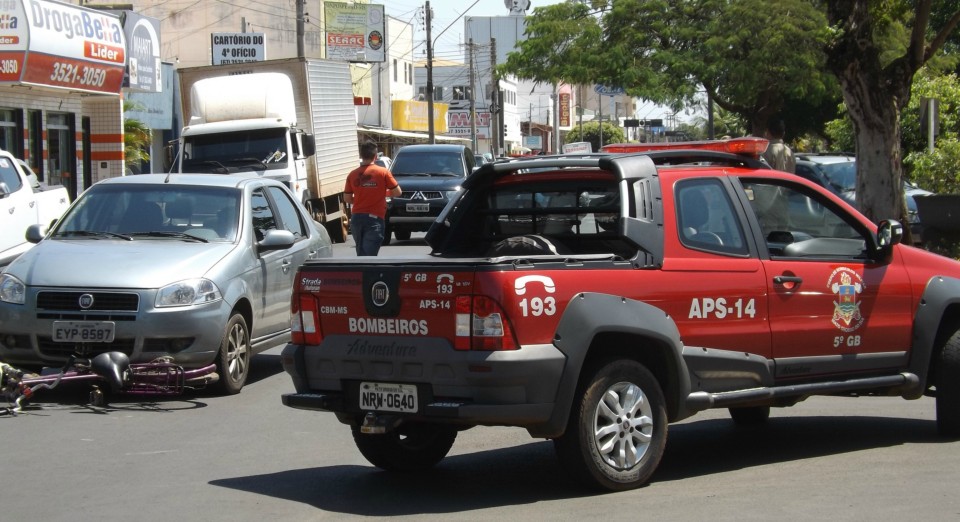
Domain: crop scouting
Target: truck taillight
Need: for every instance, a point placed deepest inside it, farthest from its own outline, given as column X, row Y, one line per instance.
column 304, row 321
column 482, row 325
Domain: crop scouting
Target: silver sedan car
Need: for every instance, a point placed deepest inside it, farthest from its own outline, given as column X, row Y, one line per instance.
column 194, row 267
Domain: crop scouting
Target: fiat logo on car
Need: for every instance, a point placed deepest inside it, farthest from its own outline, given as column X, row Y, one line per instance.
column 85, row 301
column 379, row 293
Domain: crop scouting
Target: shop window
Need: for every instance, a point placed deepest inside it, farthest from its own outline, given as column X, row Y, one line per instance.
column 11, row 131
column 61, row 146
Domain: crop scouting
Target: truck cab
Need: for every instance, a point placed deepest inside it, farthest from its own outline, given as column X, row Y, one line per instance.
column 251, row 131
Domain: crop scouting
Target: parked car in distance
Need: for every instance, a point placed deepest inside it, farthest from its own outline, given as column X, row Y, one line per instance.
column 429, row 176
column 194, row 267
column 837, row 171
column 481, row 160
column 383, row 161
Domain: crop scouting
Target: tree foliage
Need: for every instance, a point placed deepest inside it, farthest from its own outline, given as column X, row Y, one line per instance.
column 590, row 132
column 937, row 170
column 752, row 56
column 876, row 83
column 136, row 139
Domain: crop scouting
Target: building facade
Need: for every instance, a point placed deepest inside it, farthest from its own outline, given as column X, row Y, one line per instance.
column 61, row 73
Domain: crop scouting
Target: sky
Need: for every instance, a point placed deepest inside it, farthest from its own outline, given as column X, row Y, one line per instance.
column 448, row 31
column 447, row 20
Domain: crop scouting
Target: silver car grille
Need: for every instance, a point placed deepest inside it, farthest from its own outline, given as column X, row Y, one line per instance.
column 421, row 195
column 114, row 306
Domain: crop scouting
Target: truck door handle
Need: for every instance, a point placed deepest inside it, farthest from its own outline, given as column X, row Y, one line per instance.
column 787, row 281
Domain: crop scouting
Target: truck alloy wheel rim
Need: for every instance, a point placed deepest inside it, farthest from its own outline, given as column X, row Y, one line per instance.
column 623, row 427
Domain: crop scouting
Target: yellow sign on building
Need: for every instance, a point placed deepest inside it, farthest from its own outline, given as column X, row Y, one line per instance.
column 410, row 115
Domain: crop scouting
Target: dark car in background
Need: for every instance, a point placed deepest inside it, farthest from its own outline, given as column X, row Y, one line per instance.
column 429, row 176
column 837, row 171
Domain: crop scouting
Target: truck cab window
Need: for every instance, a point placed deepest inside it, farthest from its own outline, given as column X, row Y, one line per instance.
column 796, row 223
column 706, row 218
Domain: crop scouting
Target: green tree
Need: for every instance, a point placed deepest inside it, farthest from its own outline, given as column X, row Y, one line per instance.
column 937, row 170
column 136, row 138
column 876, row 84
column 590, row 132
column 751, row 56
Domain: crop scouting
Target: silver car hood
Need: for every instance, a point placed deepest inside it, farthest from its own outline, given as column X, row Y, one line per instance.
column 142, row 263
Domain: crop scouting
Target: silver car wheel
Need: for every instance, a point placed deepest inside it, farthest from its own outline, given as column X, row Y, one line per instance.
column 624, row 426
column 237, row 352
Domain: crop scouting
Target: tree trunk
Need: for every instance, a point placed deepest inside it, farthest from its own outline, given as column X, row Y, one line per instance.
column 876, row 124
column 874, row 95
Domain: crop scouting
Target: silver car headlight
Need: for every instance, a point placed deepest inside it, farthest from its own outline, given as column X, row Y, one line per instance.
column 189, row 292
column 12, row 290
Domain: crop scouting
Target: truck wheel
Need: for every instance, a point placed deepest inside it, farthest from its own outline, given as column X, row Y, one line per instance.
column 617, row 429
column 750, row 415
column 948, row 388
column 402, row 235
column 233, row 361
column 411, row 447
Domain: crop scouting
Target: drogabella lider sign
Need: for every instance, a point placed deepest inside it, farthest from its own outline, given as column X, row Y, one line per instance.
column 60, row 45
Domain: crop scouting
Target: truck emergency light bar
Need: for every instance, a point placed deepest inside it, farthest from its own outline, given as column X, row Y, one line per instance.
column 750, row 146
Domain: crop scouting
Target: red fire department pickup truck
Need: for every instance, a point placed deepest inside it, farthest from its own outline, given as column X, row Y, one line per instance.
column 595, row 299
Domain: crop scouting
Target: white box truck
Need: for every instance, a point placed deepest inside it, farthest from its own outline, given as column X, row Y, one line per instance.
column 289, row 119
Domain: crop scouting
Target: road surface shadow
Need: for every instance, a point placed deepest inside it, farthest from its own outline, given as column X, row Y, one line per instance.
column 531, row 473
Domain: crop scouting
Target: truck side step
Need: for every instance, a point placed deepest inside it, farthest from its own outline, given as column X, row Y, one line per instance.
column 699, row 401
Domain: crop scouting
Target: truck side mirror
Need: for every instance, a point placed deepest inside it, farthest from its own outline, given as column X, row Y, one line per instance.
column 889, row 233
column 309, row 145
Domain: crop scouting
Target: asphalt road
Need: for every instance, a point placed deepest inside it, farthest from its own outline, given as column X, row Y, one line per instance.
column 247, row 457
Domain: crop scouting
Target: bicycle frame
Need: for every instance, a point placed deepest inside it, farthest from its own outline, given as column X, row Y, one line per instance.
column 156, row 378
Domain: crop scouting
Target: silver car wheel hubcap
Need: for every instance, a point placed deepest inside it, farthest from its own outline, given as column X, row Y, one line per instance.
column 236, row 353
column 623, row 426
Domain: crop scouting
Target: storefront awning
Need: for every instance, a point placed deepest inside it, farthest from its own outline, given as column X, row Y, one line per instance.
column 407, row 137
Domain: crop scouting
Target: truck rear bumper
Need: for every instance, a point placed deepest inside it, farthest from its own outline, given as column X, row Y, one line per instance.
column 516, row 388
column 455, row 412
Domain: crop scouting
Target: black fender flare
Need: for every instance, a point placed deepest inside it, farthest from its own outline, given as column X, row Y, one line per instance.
column 590, row 314
column 941, row 292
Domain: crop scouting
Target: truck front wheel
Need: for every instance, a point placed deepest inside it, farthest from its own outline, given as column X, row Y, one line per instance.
column 948, row 388
column 411, row 447
column 617, row 429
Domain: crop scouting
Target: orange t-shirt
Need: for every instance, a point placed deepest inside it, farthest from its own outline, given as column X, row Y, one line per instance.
column 369, row 185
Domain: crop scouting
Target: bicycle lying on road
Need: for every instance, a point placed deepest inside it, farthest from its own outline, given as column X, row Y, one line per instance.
column 159, row 377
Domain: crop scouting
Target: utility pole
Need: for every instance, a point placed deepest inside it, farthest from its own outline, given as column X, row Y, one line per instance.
column 431, row 133
column 300, row 29
column 473, row 108
column 496, row 126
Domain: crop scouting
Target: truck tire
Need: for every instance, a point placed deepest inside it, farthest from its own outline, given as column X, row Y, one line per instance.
column 617, row 429
column 948, row 388
column 750, row 415
column 410, row 447
column 233, row 361
column 402, row 235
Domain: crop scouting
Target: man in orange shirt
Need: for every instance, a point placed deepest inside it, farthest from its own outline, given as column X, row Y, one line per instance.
column 366, row 190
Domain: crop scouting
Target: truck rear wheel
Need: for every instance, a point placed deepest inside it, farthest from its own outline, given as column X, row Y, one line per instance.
column 411, row 447
column 617, row 429
column 948, row 388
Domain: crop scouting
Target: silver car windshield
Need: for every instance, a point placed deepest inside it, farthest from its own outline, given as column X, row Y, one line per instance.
column 154, row 212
